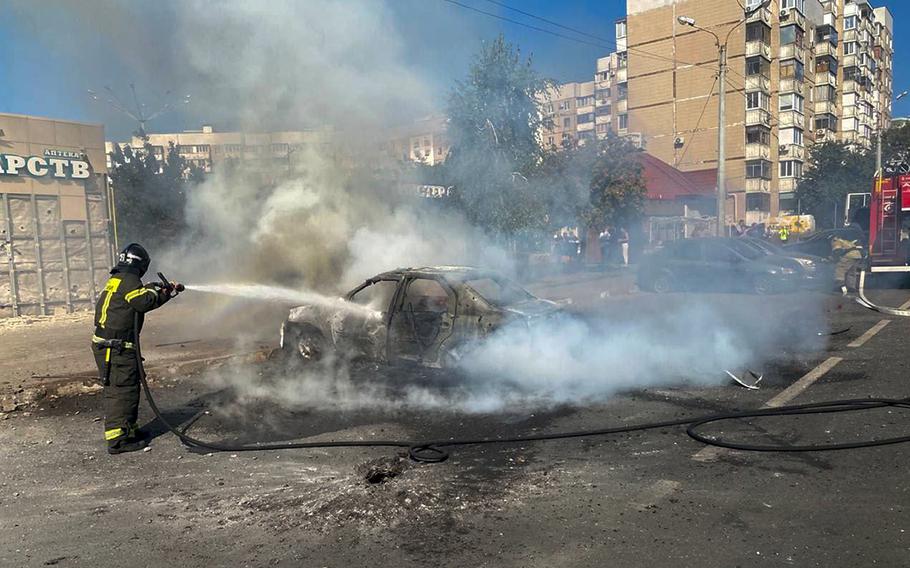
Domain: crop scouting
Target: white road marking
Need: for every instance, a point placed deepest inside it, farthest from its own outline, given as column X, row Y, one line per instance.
column 905, row 305
column 859, row 341
column 710, row 453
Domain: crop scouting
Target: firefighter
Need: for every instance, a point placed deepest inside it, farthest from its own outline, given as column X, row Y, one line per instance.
column 113, row 345
column 784, row 233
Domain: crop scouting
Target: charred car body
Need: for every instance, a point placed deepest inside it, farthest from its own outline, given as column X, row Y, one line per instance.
column 429, row 316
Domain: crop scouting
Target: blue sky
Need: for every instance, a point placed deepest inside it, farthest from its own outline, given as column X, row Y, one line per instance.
column 53, row 53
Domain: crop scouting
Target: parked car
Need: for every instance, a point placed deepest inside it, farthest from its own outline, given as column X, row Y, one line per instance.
column 429, row 316
column 819, row 270
column 717, row 263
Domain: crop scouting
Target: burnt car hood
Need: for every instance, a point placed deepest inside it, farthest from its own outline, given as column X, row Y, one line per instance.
column 533, row 308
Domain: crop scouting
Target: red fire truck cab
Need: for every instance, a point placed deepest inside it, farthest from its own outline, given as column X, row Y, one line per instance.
column 889, row 225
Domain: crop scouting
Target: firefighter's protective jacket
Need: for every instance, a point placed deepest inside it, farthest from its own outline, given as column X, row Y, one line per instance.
column 123, row 297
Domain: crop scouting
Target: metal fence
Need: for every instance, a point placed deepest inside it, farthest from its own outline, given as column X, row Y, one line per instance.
column 52, row 264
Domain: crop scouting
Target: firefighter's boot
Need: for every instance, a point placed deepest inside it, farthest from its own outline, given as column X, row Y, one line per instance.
column 126, row 443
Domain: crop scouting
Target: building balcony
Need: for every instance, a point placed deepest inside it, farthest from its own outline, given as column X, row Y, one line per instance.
column 603, row 119
column 850, row 86
column 791, row 152
column 792, row 86
column 849, row 35
column 793, row 51
column 825, row 48
column 790, row 118
column 758, row 117
column 848, row 60
column 758, row 185
column 584, row 126
column 792, row 16
column 758, row 47
column 825, row 107
column 826, row 78
column 622, row 106
column 584, row 109
column 757, row 150
column 787, row 185
column 622, row 74
column 758, row 83
column 763, row 15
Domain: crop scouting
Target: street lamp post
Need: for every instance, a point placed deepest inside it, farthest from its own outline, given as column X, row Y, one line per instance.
column 878, row 144
column 721, row 111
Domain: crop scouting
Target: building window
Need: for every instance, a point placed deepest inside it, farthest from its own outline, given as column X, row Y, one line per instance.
column 791, row 136
column 791, row 69
column 602, row 128
column 603, row 110
column 791, row 35
column 620, row 29
column 825, row 93
column 826, row 65
column 549, row 140
column 798, row 4
column 758, row 135
column 603, row 95
column 279, row 147
column 752, row 4
column 758, row 169
column 622, row 91
column 791, row 101
column 791, row 169
column 567, row 122
column 565, row 105
column 584, row 101
column 548, row 108
column 622, row 60
column 758, row 31
column 826, row 33
column 757, row 99
column 850, row 23
column 758, row 202
column 758, row 66
column 850, row 48
column 826, row 122
column 586, row 118
column 623, row 121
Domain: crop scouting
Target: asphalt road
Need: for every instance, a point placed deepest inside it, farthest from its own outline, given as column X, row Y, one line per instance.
column 651, row 499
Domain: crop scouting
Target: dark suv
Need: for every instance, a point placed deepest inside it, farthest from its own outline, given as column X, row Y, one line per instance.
column 717, row 263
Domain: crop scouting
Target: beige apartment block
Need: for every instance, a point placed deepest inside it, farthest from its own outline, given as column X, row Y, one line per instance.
column 206, row 147
column 798, row 71
column 55, row 230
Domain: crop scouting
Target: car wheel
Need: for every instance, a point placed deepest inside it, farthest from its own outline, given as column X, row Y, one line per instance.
column 764, row 284
column 304, row 342
column 662, row 283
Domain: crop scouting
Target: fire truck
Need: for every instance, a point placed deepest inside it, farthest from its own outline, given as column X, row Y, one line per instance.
column 889, row 231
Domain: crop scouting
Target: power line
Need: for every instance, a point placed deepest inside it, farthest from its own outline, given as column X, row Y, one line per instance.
column 612, row 47
column 698, row 122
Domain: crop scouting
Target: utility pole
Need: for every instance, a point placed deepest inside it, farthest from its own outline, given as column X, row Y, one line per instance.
column 721, row 137
column 721, row 110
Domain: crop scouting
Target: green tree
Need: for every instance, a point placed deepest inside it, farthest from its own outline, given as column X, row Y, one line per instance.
column 833, row 170
column 896, row 142
column 617, row 189
column 495, row 116
column 150, row 193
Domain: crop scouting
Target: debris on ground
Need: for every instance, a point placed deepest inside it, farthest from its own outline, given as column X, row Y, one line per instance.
column 383, row 469
column 755, row 380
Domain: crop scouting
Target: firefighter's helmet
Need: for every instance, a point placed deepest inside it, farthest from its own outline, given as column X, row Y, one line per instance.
column 136, row 257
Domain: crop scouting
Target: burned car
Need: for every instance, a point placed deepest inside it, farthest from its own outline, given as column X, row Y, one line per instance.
column 430, row 316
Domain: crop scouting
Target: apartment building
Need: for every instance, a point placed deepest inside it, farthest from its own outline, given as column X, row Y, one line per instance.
column 792, row 79
column 589, row 110
column 206, row 147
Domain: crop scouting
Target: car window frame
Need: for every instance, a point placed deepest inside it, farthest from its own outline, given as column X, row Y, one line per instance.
column 371, row 282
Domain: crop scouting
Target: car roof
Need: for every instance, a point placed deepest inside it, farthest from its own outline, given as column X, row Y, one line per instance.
column 457, row 272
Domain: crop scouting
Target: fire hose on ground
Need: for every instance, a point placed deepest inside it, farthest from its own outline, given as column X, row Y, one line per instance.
column 434, row 451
